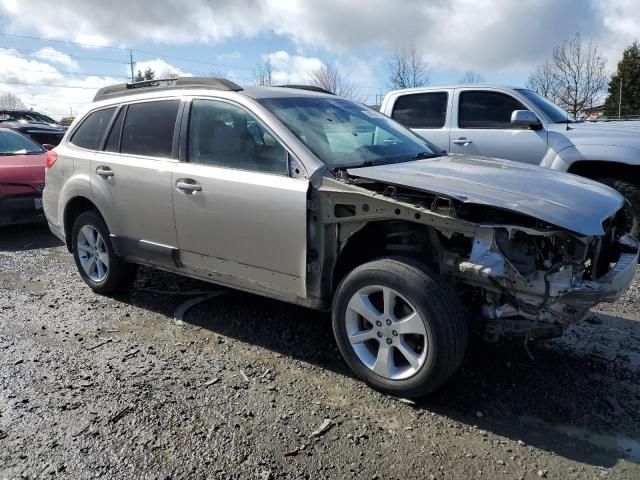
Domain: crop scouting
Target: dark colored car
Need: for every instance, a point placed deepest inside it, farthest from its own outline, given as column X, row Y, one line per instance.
column 22, row 163
column 36, row 126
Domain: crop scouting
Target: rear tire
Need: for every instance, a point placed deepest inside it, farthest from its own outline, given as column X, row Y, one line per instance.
column 399, row 327
column 632, row 193
column 95, row 257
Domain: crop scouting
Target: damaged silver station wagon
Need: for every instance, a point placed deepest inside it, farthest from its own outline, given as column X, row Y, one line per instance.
column 297, row 194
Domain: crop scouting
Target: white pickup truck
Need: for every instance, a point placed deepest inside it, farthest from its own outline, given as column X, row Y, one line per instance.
column 518, row 124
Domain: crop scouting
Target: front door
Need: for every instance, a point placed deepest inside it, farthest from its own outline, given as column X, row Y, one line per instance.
column 239, row 215
column 482, row 126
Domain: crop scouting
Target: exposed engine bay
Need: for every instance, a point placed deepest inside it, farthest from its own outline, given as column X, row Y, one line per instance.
column 518, row 275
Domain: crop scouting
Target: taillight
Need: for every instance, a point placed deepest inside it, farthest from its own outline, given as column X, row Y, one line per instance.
column 51, row 159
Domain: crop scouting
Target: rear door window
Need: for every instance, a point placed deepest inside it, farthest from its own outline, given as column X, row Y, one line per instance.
column 479, row 109
column 421, row 110
column 149, row 127
column 92, row 129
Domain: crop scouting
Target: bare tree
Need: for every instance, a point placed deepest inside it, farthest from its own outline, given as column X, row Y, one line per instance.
column 575, row 77
column 543, row 80
column 408, row 69
column 262, row 74
column 331, row 79
column 11, row 100
column 168, row 73
column 471, row 77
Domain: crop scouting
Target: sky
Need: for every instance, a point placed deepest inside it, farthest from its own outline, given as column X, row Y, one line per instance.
column 55, row 54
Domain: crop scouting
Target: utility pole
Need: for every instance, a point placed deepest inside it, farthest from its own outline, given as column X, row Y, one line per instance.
column 620, row 100
column 131, row 64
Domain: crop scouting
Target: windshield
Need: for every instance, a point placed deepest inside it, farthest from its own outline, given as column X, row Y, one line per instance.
column 551, row 110
column 343, row 133
column 13, row 143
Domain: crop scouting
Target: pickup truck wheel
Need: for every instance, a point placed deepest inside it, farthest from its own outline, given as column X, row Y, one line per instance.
column 399, row 327
column 95, row 257
column 631, row 193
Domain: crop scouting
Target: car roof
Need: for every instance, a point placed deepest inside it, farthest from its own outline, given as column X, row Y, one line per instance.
column 203, row 85
column 455, row 85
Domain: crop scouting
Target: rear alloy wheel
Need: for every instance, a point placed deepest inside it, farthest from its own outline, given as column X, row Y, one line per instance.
column 92, row 253
column 95, row 257
column 399, row 326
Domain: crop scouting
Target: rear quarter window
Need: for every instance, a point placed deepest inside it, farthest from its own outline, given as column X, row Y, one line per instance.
column 421, row 110
column 92, row 129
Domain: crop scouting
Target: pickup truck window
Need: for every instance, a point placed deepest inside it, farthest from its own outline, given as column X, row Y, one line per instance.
column 421, row 110
column 483, row 109
column 342, row 133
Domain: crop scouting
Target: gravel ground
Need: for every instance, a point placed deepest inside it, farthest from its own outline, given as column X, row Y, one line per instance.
column 93, row 386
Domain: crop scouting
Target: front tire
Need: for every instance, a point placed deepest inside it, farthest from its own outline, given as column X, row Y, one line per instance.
column 95, row 257
column 399, row 327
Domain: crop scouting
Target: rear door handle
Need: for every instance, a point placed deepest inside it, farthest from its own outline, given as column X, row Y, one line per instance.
column 188, row 185
column 462, row 141
column 105, row 172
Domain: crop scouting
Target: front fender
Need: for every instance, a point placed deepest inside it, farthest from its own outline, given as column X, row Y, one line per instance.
column 579, row 153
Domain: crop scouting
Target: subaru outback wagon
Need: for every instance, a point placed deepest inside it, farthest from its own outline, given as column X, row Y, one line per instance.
column 320, row 201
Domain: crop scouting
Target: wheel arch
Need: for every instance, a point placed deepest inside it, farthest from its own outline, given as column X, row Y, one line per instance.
column 73, row 208
column 379, row 238
column 595, row 169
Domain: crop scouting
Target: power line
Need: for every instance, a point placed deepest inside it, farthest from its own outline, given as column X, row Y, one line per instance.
column 190, row 60
column 47, row 85
column 75, row 74
column 61, row 41
column 64, row 55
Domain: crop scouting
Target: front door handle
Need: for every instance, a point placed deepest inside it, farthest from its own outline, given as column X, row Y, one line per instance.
column 187, row 185
column 462, row 141
column 105, row 172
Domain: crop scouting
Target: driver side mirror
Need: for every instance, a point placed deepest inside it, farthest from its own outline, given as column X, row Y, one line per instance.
column 525, row 119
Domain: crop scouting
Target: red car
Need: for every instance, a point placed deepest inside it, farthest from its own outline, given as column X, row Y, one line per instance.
column 22, row 163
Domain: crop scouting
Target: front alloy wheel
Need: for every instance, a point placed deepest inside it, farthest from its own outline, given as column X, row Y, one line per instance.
column 386, row 332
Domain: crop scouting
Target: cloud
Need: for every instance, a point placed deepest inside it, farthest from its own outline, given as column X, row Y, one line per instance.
column 52, row 55
column 161, row 68
column 44, row 88
column 287, row 68
column 455, row 34
column 230, row 57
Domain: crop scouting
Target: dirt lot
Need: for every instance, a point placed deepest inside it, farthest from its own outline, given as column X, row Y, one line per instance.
column 92, row 386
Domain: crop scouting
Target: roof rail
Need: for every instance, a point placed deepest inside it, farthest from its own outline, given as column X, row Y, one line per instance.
column 121, row 89
column 311, row 88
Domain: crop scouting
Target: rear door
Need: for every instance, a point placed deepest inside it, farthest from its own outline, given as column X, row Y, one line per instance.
column 426, row 114
column 132, row 178
column 239, row 215
column 481, row 125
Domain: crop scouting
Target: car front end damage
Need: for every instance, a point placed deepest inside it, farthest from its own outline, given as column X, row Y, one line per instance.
column 516, row 275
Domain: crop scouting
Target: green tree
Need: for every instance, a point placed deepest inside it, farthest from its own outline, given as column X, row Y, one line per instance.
column 629, row 72
column 148, row 74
